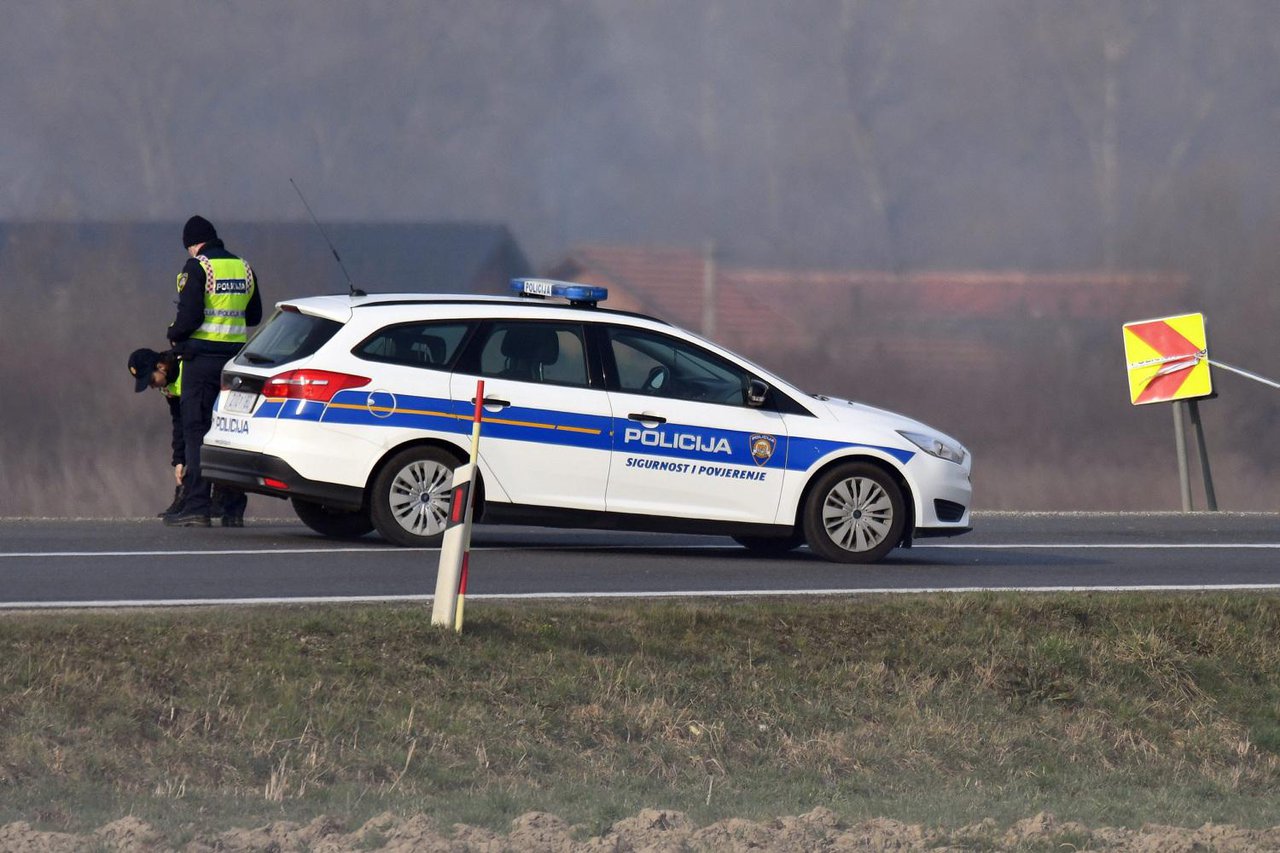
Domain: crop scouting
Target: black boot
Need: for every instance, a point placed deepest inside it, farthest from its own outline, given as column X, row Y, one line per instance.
column 186, row 519
column 178, row 495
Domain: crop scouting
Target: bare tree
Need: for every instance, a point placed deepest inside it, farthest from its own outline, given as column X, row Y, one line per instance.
column 709, row 115
column 141, row 92
column 1088, row 45
column 869, row 63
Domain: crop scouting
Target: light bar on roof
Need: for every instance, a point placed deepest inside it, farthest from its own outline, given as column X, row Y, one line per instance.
column 541, row 288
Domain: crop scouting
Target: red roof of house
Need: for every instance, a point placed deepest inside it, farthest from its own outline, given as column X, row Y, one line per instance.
column 669, row 283
column 759, row 308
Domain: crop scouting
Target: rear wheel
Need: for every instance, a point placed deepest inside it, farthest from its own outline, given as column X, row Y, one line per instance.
column 855, row 514
column 336, row 523
column 770, row 546
column 409, row 503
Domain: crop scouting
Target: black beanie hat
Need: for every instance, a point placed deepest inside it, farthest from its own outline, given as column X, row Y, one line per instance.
column 197, row 230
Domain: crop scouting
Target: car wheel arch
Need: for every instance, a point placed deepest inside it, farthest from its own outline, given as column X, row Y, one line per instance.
column 908, row 493
column 452, row 449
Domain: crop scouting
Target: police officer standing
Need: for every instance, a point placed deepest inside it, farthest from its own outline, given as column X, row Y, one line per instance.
column 217, row 301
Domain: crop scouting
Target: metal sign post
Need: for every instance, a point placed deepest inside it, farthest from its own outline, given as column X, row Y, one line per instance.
column 1180, row 446
column 1210, row 499
column 1168, row 361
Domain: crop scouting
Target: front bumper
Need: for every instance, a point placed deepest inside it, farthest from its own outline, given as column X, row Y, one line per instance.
column 939, row 532
column 270, row 475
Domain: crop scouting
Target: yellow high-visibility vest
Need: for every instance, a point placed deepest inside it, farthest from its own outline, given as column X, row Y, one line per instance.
column 228, row 287
column 174, row 388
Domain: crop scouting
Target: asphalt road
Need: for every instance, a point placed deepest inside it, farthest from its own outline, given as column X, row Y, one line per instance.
column 60, row 563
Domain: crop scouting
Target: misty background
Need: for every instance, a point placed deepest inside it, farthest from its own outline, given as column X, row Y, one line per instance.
column 900, row 136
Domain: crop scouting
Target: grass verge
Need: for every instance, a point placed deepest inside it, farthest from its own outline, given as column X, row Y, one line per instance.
column 941, row 710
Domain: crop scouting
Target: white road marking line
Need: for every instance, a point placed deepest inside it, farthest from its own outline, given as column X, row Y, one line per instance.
column 1126, row 545
column 573, row 596
column 218, row 553
column 544, row 546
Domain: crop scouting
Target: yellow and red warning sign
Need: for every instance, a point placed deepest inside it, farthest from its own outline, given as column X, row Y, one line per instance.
column 1168, row 359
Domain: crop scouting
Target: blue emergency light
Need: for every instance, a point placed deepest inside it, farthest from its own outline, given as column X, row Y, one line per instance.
column 541, row 288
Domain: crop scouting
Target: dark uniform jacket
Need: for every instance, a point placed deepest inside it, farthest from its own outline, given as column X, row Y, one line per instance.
column 178, row 445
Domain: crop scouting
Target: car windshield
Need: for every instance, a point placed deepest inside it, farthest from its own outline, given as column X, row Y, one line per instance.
column 287, row 336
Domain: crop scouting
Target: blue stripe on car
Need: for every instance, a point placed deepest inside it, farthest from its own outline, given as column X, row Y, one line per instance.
column 571, row 429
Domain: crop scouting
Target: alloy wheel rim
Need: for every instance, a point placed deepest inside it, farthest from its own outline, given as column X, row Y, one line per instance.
column 857, row 514
column 420, row 497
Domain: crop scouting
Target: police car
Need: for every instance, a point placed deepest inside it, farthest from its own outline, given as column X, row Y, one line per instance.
column 359, row 408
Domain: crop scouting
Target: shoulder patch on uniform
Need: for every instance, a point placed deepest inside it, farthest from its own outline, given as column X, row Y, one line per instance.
column 182, row 281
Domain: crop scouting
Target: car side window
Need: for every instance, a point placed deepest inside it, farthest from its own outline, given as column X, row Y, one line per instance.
column 535, row 352
column 663, row 366
column 429, row 345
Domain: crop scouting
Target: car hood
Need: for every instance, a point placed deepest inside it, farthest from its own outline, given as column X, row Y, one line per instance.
column 852, row 412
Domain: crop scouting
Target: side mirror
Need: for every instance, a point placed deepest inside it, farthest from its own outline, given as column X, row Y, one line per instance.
column 757, row 390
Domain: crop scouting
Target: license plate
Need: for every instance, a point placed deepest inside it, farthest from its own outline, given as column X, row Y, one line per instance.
column 240, row 402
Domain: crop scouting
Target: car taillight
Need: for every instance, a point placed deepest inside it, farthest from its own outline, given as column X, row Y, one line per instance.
column 319, row 385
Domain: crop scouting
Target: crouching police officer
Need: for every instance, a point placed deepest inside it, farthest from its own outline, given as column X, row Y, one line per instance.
column 218, row 299
column 163, row 370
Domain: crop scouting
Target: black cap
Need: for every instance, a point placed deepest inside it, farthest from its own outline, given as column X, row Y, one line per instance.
column 197, row 230
column 142, row 363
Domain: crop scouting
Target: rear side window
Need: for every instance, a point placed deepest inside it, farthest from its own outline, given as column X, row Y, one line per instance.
column 429, row 345
column 535, row 352
column 287, row 336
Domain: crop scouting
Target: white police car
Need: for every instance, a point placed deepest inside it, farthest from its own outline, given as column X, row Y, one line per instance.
column 359, row 408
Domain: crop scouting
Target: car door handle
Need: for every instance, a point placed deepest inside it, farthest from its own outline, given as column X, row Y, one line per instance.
column 645, row 417
column 492, row 401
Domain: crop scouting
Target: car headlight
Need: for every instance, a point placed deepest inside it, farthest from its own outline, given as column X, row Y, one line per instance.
column 935, row 446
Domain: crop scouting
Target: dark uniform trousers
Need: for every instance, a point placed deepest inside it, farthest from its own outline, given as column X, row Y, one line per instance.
column 201, row 382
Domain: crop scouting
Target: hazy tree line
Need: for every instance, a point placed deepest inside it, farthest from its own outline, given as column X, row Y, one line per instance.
column 875, row 133
column 881, row 134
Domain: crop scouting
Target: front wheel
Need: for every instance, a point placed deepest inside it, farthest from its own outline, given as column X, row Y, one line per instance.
column 334, row 523
column 855, row 513
column 410, row 499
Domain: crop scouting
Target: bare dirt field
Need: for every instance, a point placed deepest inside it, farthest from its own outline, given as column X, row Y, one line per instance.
column 653, row 830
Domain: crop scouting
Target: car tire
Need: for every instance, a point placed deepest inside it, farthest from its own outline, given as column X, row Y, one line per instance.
column 334, row 523
column 770, row 546
column 409, row 503
column 855, row 513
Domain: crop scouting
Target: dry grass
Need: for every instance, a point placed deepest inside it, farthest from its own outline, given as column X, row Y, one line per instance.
column 1113, row 710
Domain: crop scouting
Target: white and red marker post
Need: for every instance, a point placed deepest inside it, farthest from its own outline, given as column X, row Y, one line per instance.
column 455, row 549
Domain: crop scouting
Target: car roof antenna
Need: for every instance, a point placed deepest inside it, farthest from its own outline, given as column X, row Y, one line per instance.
column 354, row 291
